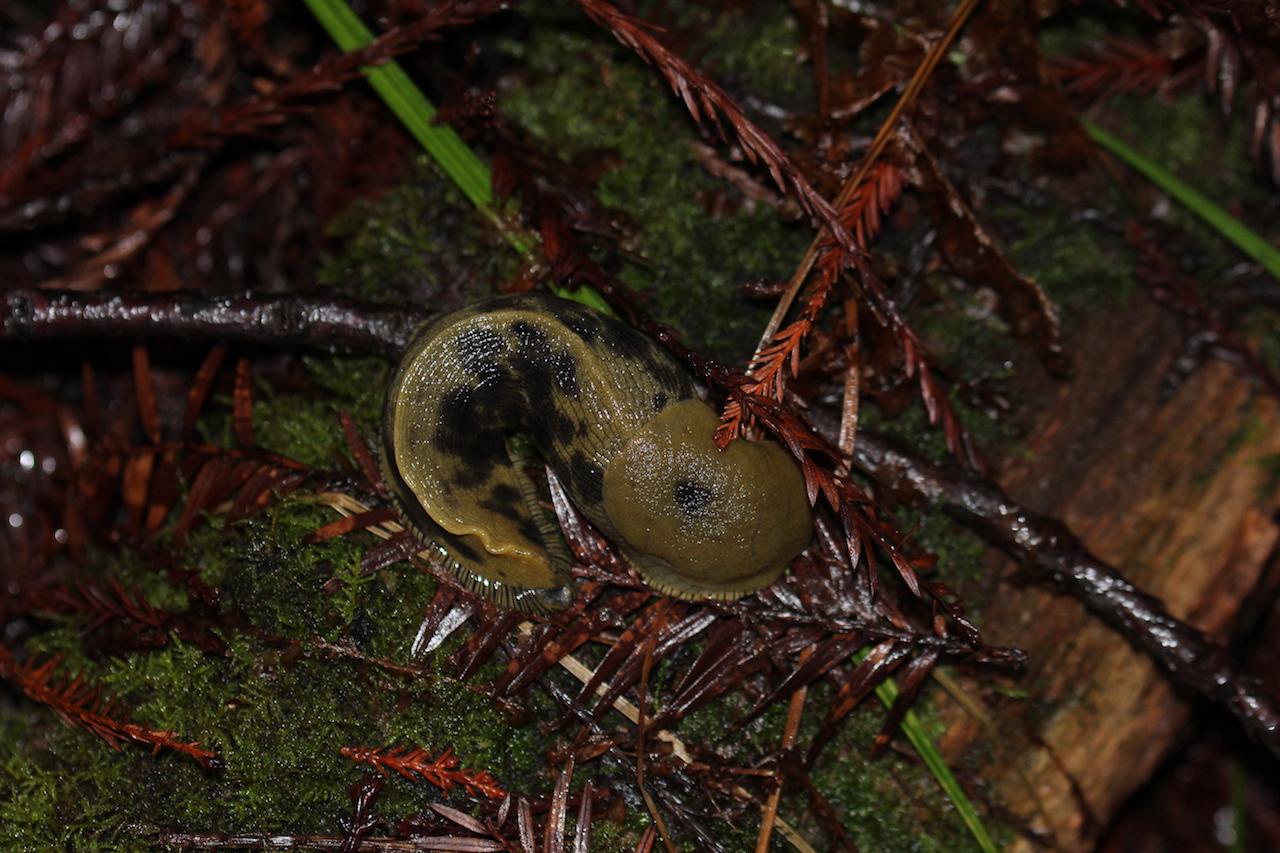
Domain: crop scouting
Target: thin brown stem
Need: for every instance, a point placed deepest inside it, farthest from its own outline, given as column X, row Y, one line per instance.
column 890, row 126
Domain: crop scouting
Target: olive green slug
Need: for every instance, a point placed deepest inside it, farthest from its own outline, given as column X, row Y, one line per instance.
column 621, row 424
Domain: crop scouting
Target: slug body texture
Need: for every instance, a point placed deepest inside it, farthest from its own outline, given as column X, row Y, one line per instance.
column 619, row 422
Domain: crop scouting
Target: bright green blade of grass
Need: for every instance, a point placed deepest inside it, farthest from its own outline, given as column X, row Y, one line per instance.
column 416, row 112
column 1246, row 240
column 914, row 730
column 440, row 141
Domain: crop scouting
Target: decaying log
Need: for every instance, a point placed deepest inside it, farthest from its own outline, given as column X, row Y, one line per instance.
column 1180, row 495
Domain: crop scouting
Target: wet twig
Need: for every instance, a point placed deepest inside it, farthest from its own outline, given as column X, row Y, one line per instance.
column 323, row 320
column 1189, row 658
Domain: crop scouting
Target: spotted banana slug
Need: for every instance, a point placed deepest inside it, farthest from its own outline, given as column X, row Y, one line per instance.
column 622, row 426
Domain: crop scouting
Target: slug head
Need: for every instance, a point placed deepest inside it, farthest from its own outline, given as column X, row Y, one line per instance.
column 700, row 522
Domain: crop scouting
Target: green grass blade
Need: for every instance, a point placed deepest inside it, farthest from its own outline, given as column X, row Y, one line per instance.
column 440, row 141
column 1232, row 229
column 914, row 730
column 416, row 112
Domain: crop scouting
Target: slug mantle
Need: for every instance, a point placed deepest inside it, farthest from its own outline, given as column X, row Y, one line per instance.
column 620, row 423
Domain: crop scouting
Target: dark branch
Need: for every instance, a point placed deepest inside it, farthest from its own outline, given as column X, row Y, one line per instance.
column 325, row 321
column 1044, row 544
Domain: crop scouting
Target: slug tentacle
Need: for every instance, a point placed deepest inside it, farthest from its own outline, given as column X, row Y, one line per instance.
column 616, row 418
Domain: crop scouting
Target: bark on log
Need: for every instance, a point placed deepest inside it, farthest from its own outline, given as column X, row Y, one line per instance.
column 1178, row 494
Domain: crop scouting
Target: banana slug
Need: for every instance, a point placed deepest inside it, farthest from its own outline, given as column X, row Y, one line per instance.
column 619, row 422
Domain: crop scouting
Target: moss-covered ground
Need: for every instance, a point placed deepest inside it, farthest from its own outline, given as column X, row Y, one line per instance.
column 305, row 682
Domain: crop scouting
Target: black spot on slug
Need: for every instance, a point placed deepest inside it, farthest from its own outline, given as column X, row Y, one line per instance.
column 532, row 339
column 693, row 498
column 549, row 426
column 506, row 494
column 497, row 506
column 585, row 326
column 659, row 401
column 463, row 434
column 565, row 368
column 457, row 408
column 545, row 378
column 626, row 342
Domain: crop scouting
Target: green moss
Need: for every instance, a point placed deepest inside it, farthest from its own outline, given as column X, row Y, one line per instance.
column 1080, row 262
column 274, row 579
column 1193, row 143
column 48, row 788
column 960, row 552
column 421, row 240
column 277, row 709
column 301, row 678
column 584, row 96
column 1197, row 139
column 891, row 803
column 278, row 722
column 759, row 52
column 303, row 425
